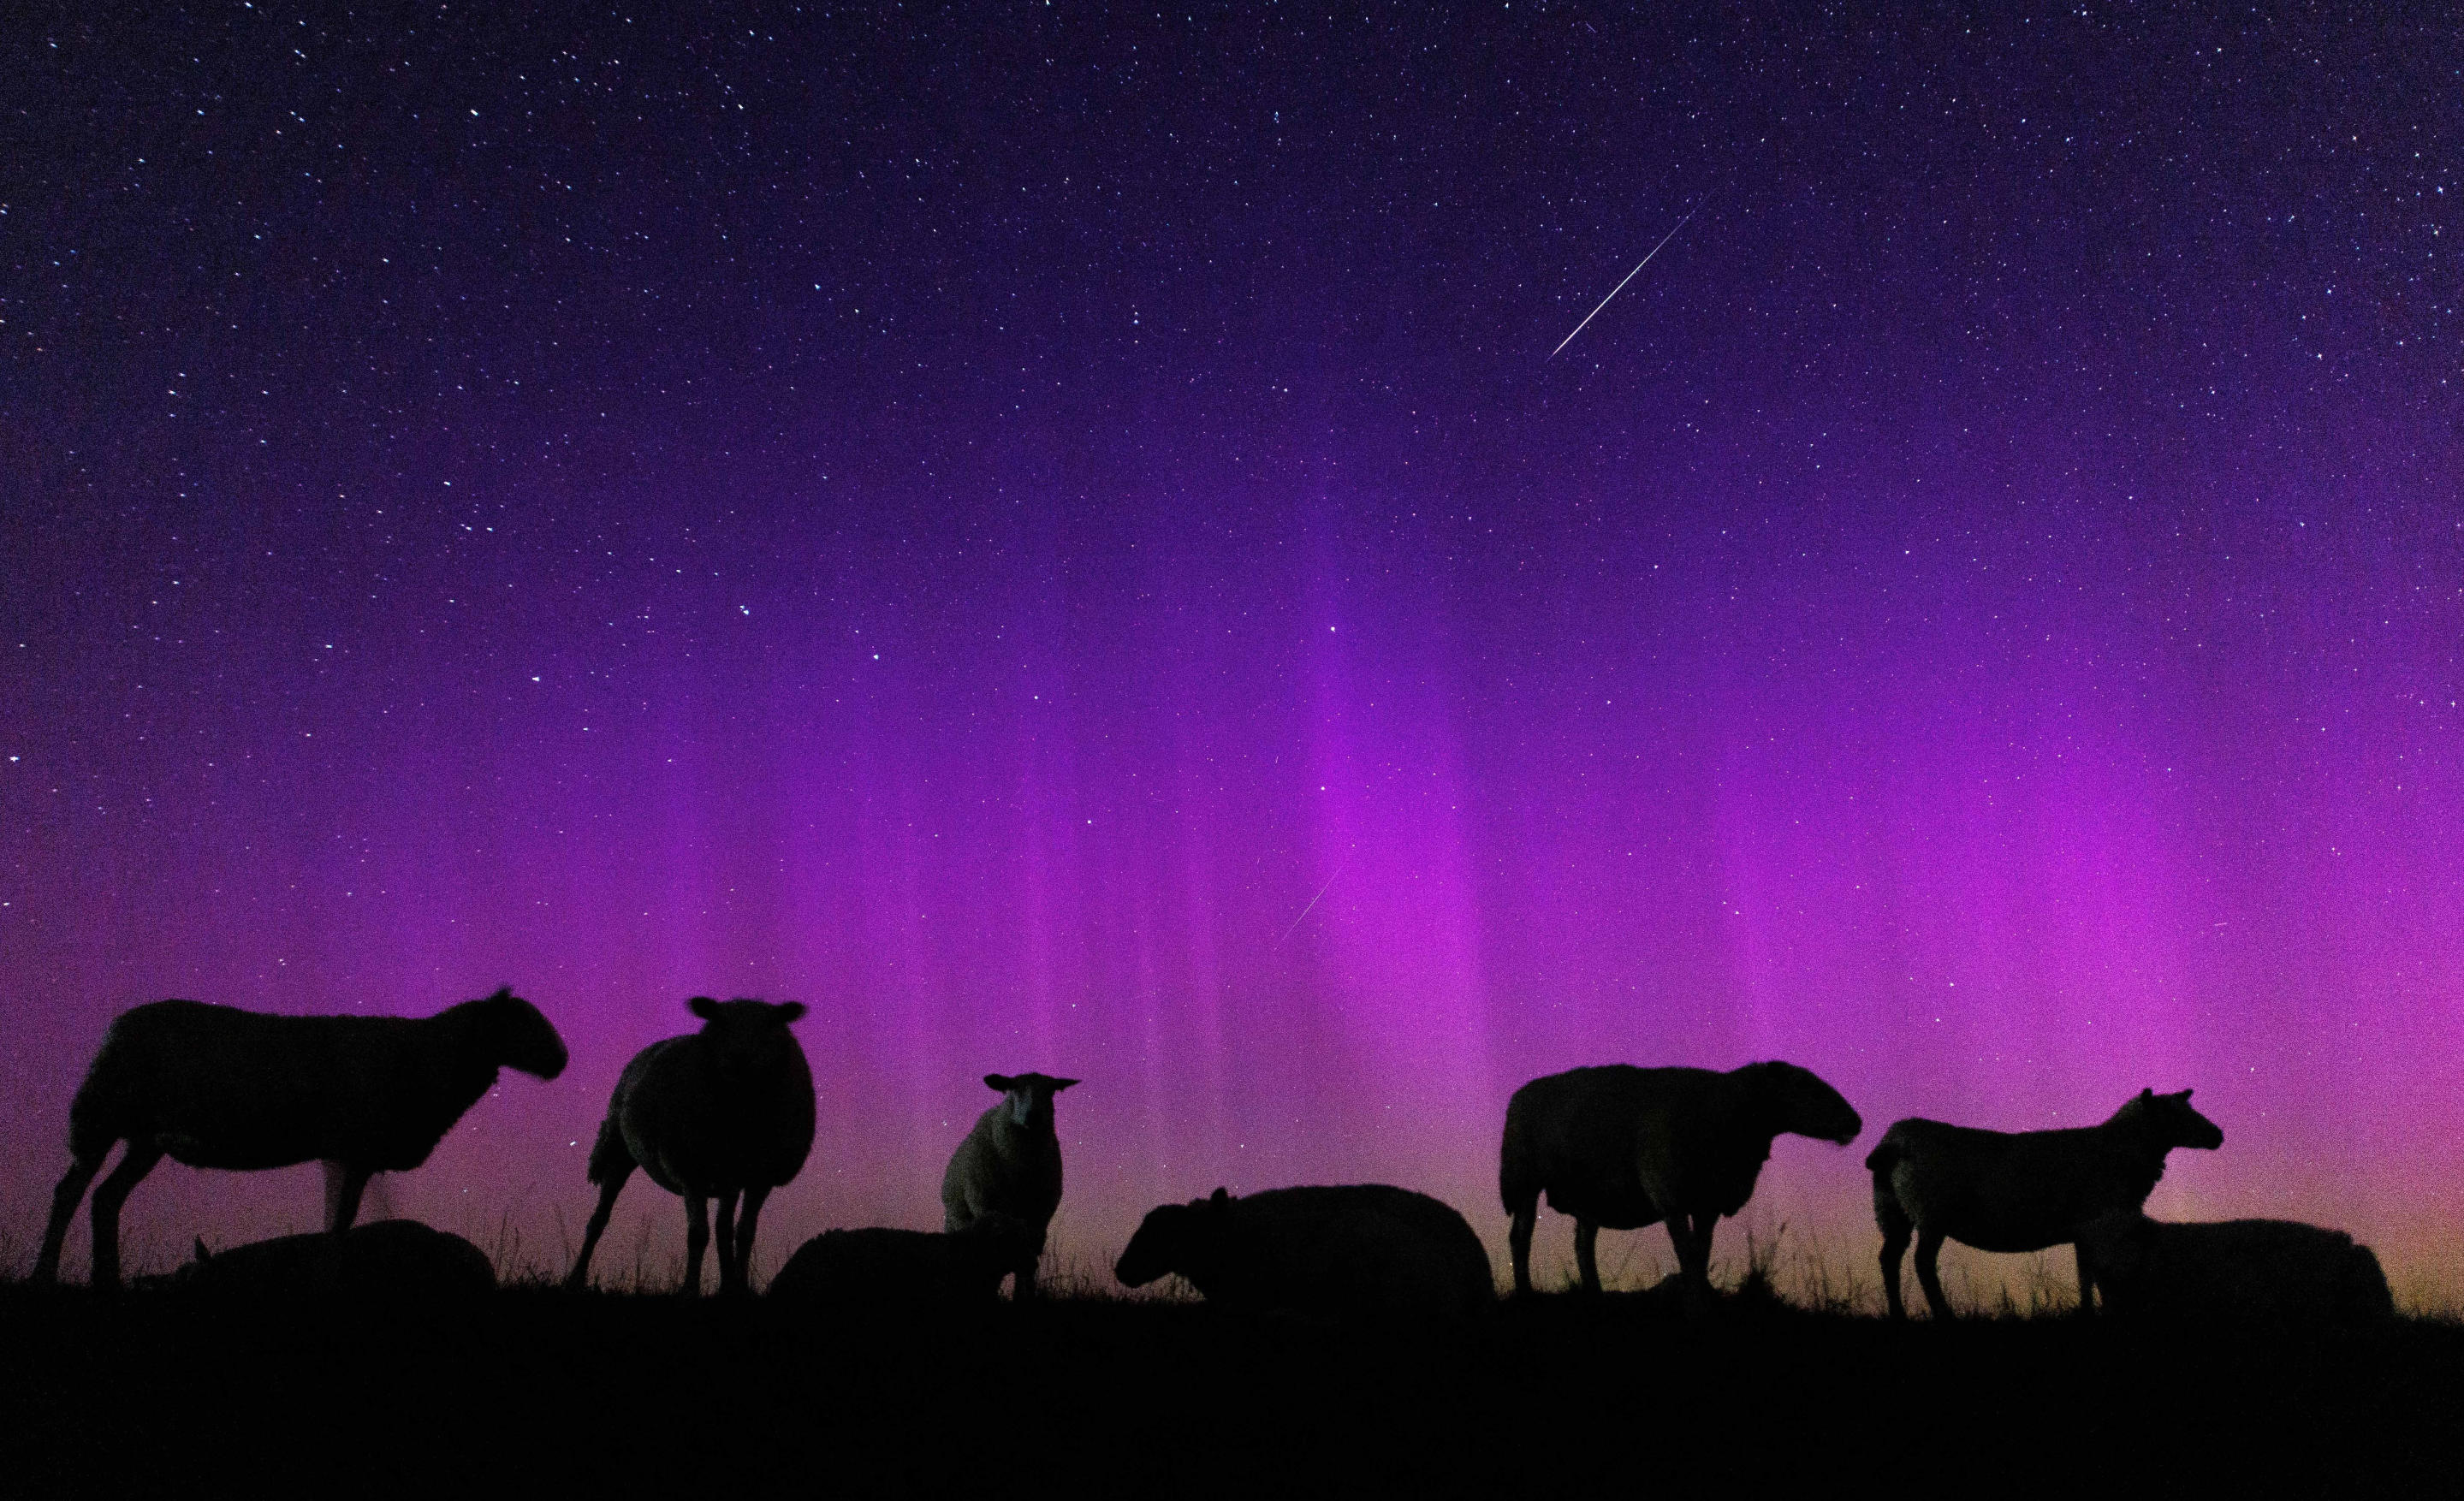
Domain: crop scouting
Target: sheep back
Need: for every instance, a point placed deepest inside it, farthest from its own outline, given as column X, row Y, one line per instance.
column 890, row 1270
column 2246, row 1269
column 383, row 1259
column 1587, row 1136
column 1366, row 1248
column 695, row 1120
column 214, row 1086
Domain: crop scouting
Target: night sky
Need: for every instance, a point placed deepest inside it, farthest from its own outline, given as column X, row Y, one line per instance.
column 1057, row 539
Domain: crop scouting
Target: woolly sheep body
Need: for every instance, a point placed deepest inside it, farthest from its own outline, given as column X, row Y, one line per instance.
column 724, row 1111
column 2019, row 1191
column 1620, row 1148
column 213, row 1086
column 1363, row 1247
column 383, row 1259
column 1009, row 1164
column 2250, row 1270
column 889, row 1270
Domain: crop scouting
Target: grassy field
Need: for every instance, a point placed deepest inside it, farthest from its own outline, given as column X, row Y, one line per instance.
column 150, row 1393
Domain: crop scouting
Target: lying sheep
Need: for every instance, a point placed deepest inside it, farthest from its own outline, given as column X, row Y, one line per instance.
column 383, row 1259
column 2022, row 1190
column 1354, row 1248
column 1621, row 1148
column 887, row 1271
column 213, row 1086
column 2276, row 1269
column 714, row 1113
column 1009, row 1164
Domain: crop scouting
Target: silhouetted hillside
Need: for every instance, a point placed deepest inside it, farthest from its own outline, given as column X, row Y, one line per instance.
column 545, row 1393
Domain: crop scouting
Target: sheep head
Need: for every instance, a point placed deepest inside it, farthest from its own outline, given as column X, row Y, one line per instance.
column 512, row 1034
column 2167, row 1121
column 1175, row 1238
column 745, row 1037
column 1029, row 1095
column 1794, row 1100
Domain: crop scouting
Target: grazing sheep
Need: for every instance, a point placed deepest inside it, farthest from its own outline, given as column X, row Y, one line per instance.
column 1010, row 1165
column 383, row 1259
column 2020, row 1191
column 897, row 1271
column 714, row 1113
column 1621, row 1148
column 213, row 1086
column 2276, row 1269
column 1357, row 1248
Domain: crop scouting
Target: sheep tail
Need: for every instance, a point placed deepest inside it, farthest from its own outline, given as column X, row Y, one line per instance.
column 1883, row 1157
column 610, row 1159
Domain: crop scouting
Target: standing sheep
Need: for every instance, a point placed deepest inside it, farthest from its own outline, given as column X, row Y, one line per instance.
column 1355, row 1249
column 1010, row 1165
column 1622, row 1148
column 213, row 1086
column 2274, row 1270
column 2020, row 1191
column 899, row 1272
column 714, row 1113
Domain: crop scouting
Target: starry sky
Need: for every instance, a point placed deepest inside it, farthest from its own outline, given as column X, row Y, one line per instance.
column 1056, row 537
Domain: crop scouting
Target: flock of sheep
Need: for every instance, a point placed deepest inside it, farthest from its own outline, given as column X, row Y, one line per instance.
column 726, row 1113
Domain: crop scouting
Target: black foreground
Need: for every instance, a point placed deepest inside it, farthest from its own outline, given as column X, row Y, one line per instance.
column 548, row 1394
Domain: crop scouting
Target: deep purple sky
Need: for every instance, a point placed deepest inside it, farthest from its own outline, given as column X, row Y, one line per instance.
column 972, row 521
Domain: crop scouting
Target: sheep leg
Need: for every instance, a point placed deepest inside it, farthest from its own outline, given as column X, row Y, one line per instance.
column 1693, row 1238
column 2086, row 1282
column 1929, row 1247
column 696, row 1241
column 580, row 1276
column 745, row 1220
column 1023, row 1288
column 729, row 1267
column 1587, row 1253
column 1896, row 1230
column 108, row 1195
column 1519, row 1239
column 64, row 1204
column 343, row 1186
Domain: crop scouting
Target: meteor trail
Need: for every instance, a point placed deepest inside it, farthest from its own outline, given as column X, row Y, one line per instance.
column 1311, row 907
column 1621, row 286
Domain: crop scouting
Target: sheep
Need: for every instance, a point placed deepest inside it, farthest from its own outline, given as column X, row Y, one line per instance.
column 1354, row 1248
column 2274, row 1269
column 714, row 1113
column 1621, row 1148
column 1011, row 1164
column 383, row 1259
column 885, row 1270
column 214, row 1086
column 2020, row 1191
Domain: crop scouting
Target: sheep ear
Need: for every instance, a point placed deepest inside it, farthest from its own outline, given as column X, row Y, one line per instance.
column 503, row 993
column 203, row 1254
column 997, row 1081
column 1219, row 1196
column 703, row 1006
column 2147, row 1093
column 790, row 1010
column 1058, row 1085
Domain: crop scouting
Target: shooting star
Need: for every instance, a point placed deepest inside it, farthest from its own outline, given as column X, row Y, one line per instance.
column 1621, row 286
column 1306, row 911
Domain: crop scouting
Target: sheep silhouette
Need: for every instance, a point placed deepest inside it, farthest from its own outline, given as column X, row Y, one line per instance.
column 1009, row 1164
column 1347, row 1248
column 213, row 1086
column 2020, row 1191
column 891, row 1271
column 2278, row 1270
column 723, row 1111
column 382, row 1260
column 1620, row 1148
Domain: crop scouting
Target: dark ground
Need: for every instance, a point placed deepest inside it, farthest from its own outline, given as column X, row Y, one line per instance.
column 542, row 1394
